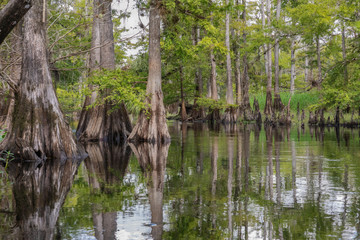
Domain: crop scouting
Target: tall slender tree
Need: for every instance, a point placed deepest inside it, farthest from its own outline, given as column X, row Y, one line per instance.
column 277, row 100
column 230, row 113
column 268, row 105
column 151, row 125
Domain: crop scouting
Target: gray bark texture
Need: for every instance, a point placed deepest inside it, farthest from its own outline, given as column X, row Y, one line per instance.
column 11, row 15
column 277, row 100
column 230, row 113
column 292, row 71
column 343, row 46
column 246, row 108
column 151, row 125
column 39, row 130
column 268, row 105
column 97, row 123
column 15, row 74
column 318, row 54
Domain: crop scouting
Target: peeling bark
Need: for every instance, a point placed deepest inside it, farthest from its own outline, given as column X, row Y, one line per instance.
column 39, row 130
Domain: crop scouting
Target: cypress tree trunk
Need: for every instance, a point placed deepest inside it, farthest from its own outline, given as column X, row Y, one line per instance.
column 151, row 126
column 96, row 123
column 248, row 115
column 278, row 106
column 237, row 63
column 183, row 114
column 268, row 104
column 318, row 53
column 197, row 112
column 230, row 113
column 11, row 15
column 306, row 74
column 343, row 46
column 39, row 130
column 292, row 71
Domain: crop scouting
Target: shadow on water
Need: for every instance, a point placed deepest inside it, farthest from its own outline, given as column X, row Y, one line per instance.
column 38, row 195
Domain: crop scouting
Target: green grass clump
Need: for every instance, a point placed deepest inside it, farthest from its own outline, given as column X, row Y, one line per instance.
column 305, row 100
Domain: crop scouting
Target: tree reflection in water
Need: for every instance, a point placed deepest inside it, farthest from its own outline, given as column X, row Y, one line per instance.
column 152, row 160
column 220, row 183
column 39, row 193
column 106, row 166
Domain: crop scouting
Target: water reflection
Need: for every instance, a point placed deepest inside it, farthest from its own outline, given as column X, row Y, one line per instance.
column 212, row 182
column 106, row 167
column 38, row 194
column 152, row 159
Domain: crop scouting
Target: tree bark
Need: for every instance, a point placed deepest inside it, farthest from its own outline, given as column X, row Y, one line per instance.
column 230, row 112
column 39, row 130
column 343, row 45
column 306, row 69
column 248, row 116
column 183, row 107
column 96, row 123
column 268, row 104
column 318, row 53
column 292, row 71
column 277, row 100
column 11, row 15
column 197, row 112
column 236, row 47
column 15, row 74
column 151, row 125
column 229, row 88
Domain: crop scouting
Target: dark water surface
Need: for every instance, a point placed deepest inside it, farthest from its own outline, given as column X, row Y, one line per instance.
column 209, row 183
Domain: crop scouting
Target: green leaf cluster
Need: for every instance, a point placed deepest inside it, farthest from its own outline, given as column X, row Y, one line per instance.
column 119, row 87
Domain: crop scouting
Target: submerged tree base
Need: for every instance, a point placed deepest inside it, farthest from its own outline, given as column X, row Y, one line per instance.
column 151, row 126
column 96, row 124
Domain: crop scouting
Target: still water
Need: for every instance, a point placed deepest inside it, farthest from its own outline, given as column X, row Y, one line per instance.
column 211, row 182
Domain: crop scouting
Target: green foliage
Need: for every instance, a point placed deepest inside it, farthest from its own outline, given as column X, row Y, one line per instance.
column 70, row 99
column 305, row 99
column 6, row 157
column 2, row 134
column 213, row 104
column 119, row 86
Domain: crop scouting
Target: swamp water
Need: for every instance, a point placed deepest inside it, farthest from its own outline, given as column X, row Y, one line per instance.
column 209, row 183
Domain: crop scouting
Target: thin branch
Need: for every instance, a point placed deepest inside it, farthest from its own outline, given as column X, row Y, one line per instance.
column 80, row 52
column 56, row 41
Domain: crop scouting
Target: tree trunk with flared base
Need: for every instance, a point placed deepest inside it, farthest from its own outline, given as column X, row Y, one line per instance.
column 97, row 123
column 39, row 130
column 278, row 105
column 230, row 112
column 151, row 125
column 268, row 105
